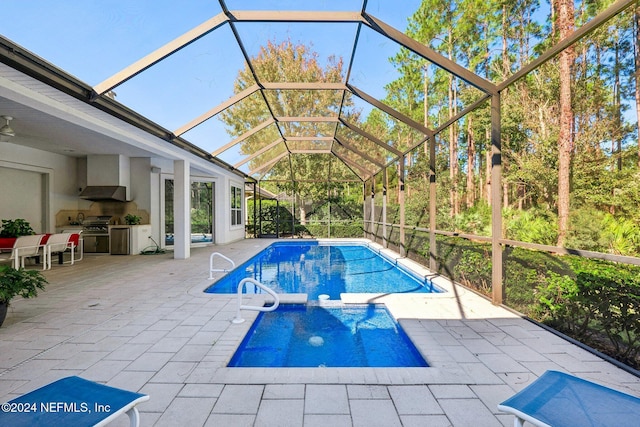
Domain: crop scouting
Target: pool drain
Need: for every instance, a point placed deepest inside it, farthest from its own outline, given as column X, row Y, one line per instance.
column 316, row 341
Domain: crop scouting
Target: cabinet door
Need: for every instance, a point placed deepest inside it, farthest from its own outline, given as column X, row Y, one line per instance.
column 96, row 244
column 102, row 244
column 90, row 243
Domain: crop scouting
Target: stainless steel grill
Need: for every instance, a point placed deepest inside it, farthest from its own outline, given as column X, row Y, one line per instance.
column 96, row 225
column 95, row 232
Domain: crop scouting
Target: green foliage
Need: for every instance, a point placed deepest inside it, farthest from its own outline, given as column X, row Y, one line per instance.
column 599, row 300
column 586, row 229
column 475, row 267
column 560, row 305
column 490, row 39
column 621, row 235
column 272, row 217
column 525, row 272
column 287, row 61
column 21, row 282
column 476, row 220
column 335, row 230
column 131, row 219
column 15, row 228
column 533, row 226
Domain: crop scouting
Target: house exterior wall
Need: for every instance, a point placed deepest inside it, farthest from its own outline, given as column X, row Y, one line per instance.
column 225, row 231
column 60, row 182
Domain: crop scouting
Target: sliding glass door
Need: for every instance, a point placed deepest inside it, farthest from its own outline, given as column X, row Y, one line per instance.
column 202, row 212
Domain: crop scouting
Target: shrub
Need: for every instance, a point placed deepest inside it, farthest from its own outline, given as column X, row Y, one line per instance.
column 20, row 282
column 586, row 230
column 598, row 304
column 533, row 226
column 15, row 228
column 474, row 270
column 476, row 220
column 622, row 236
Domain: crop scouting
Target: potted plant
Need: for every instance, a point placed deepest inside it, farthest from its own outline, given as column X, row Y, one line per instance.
column 131, row 219
column 21, row 282
column 15, row 228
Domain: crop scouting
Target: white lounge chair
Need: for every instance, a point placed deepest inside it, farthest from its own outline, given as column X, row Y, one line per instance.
column 72, row 401
column 25, row 247
column 562, row 400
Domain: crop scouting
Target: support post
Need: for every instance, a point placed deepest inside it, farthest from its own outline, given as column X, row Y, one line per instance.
column 260, row 213
column 328, row 211
column 403, row 248
column 255, row 207
column 433, row 245
column 293, row 212
column 181, row 209
column 364, row 209
column 498, row 292
column 385, row 241
column 373, row 208
column 277, row 219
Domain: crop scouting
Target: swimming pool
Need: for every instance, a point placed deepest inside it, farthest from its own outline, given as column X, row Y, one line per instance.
column 318, row 268
column 298, row 335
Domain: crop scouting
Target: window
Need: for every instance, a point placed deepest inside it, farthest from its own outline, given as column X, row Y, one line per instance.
column 236, row 205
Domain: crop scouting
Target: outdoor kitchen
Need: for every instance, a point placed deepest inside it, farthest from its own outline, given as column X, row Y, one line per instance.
column 109, row 234
column 111, row 223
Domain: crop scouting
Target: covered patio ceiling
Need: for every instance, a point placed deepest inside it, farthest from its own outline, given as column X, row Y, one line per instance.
column 188, row 82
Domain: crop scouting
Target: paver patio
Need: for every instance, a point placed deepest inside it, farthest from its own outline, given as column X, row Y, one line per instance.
column 144, row 324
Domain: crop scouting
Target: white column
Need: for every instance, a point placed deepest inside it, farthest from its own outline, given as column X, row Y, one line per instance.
column 181, row 210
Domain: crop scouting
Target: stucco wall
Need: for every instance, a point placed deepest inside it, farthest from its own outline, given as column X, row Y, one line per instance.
column 59, row 171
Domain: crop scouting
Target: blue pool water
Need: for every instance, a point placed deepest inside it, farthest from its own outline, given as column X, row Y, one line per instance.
column 317, row 336
column 317, row 269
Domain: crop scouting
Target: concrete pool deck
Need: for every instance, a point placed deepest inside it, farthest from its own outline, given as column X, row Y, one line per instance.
column 144, row 324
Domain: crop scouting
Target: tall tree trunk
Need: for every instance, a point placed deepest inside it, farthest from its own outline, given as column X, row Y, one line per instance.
column 407, row 185
column 617, row 108
column 425, row 104
column 453, row 132
column 453, row 154
column 487, row 165
column 636, row 51
column 303, row 213
column 505, row 42
column 471, row 163
column 505, row 195
column 565, row 25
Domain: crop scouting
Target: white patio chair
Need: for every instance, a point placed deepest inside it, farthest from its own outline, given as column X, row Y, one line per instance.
column 59, row 243
column 25, row 247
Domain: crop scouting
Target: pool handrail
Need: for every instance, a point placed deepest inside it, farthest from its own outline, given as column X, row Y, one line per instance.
column 276, row 303
column 224, row 270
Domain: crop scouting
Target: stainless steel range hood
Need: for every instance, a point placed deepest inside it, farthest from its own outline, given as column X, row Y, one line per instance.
column 108, row 176
column 104, row 193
